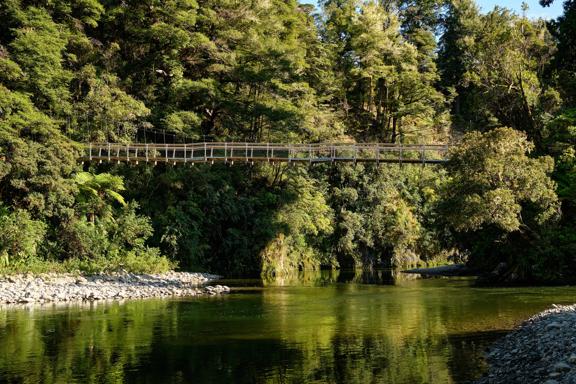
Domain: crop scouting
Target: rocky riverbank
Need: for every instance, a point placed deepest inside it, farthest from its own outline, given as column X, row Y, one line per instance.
column 542, row 350
column 49, row 288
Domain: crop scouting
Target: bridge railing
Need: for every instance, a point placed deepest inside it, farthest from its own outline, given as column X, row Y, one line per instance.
column 267, row 152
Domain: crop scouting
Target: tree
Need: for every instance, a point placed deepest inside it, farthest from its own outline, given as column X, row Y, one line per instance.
column 499, row 200
column 96, row 192
column 103, row 111
column 383, row 215
column 460, row 23
column 37, row 160
column 503, row 57
column 20, row 237
column 388, row 82
column 495, row 183
column 37, row 48
column 563, row 67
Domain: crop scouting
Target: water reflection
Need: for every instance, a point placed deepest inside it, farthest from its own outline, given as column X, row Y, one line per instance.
column 321, row 278
column 323, row 328
column 302, row 278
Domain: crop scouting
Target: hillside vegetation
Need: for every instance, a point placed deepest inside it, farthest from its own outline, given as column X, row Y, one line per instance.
column 500, row 86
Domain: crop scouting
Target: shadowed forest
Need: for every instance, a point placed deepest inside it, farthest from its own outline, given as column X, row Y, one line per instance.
column 498, row 86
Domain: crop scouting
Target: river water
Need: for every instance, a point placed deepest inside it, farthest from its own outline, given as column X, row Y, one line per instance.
column 314, row 328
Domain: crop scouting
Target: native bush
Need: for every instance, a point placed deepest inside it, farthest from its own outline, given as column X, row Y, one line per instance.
column 20, row 237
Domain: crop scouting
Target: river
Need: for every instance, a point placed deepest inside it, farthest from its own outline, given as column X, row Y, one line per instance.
column 332, row 327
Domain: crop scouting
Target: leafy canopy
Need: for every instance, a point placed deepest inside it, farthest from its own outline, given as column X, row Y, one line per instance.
column 494, row 182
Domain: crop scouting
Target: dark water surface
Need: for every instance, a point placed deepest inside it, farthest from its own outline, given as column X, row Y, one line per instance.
column 333, row 328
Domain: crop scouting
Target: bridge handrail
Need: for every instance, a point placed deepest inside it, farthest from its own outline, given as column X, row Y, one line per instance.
column 242, row 145
column 312, row 152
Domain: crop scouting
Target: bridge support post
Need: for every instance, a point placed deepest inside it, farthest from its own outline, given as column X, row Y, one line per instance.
column 422, row 155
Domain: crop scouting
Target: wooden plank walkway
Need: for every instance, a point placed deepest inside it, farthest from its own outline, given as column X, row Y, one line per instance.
column 265, row 152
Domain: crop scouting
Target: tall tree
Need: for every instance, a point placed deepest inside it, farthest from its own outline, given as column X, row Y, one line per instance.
column 564, row 63
column 388, row 82
column 497, row 194
column 503, row 57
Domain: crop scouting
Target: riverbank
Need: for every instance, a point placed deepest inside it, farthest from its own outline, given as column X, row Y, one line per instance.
column 450, row 270
column 541, row 350
column 51, row 287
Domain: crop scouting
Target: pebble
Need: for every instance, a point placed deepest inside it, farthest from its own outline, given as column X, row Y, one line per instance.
column 561, row 366
column 52, row 287
column 553, row 325
column 541, row 350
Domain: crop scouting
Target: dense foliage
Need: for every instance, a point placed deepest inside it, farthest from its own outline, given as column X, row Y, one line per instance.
column 276, row 70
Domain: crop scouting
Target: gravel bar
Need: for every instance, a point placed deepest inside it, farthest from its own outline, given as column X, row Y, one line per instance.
column 52, row 288
column 542, row 350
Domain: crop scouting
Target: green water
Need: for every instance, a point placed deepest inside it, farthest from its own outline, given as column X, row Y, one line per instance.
column 317, row 329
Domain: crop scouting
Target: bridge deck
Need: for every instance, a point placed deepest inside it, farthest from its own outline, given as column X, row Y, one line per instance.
column 266, row 152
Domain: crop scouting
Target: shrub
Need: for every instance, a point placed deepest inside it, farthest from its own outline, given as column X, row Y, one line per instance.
column 20, row 237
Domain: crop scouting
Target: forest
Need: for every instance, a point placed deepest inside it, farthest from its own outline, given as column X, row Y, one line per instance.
column 499, row 87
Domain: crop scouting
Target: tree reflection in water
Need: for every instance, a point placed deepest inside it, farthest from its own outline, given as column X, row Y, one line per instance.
column 323, row 328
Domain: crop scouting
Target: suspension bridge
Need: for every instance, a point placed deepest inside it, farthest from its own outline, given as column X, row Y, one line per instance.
column 231, row 152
